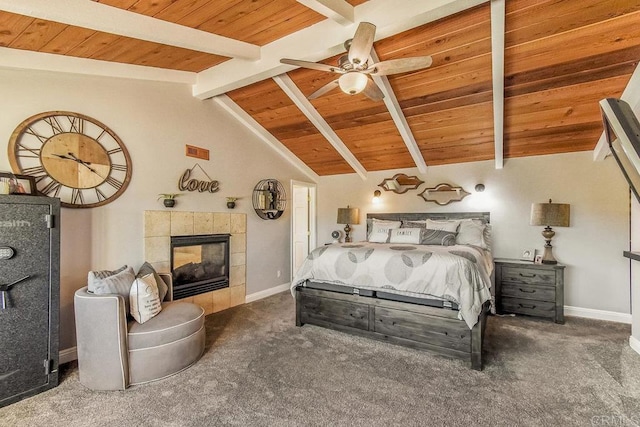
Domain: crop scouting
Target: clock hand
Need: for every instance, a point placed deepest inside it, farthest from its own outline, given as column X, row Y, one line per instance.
column 85, row 164
column 62, row 156
column 79, row 160
column 90, row 168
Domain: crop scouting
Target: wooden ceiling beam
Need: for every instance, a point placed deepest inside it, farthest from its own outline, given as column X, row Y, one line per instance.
column 497, row 66
column 298, row 98
column 27, row 60
column 398, row 117
column 112, row 20
column 337, row 10
column 249, row 122
column 323, row 40
column 631, row 94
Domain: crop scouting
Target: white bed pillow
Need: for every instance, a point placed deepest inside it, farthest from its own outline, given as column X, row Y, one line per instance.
column 487, row 236
column 380, row 230
column 379, row 234
column 473, row 232
column 444, row 225
column 393, row 224
column 405, row 235
column 144, row 298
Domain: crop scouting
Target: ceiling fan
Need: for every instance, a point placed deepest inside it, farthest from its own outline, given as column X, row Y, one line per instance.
column 355, row 67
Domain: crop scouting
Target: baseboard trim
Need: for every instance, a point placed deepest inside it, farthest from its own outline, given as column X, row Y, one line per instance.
column 590, row 313
column 267, row 293
column 68, row 355
column 634, row 344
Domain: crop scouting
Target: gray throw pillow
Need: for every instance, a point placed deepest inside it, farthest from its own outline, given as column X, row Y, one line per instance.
column 437, row 237
column 414, row 224
column 101, row 274
column 119, row 283
column 147, row 268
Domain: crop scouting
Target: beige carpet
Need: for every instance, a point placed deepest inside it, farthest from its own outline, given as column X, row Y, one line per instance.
column 260, row 369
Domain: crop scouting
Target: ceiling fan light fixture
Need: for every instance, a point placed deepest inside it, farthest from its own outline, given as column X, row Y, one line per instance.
column 352, row 83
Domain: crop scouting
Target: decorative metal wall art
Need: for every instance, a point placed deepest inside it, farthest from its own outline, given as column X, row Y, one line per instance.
column 443, row 194
column 269, row 199
column 186, row 183
column 401, row 183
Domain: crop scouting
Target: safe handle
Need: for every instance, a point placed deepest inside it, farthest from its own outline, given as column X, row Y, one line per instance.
column 4, row 289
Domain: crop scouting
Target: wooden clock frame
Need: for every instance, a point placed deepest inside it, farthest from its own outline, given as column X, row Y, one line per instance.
column 71, row 156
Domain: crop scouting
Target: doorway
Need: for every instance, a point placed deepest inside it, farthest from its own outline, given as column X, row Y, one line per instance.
column 303, row 222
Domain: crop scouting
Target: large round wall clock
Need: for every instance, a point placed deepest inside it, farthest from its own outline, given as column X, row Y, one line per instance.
column 72, row 157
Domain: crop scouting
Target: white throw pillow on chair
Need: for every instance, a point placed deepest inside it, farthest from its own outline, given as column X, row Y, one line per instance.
column 144, row 298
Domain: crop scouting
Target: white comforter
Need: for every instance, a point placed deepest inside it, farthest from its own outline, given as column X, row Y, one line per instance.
column 460, row 273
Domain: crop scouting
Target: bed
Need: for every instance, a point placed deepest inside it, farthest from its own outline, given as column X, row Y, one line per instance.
column 416, row 294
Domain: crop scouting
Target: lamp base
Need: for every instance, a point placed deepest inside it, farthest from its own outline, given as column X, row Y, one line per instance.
column 347, row 236
column 547, row 256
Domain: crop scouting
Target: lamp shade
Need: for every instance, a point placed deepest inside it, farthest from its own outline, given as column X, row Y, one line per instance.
column 352, row 83
column 550, row 214
column 348, row 216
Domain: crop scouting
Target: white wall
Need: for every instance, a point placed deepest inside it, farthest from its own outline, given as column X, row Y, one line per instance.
column 597, row 275
column 155, row 121
column 635, row 274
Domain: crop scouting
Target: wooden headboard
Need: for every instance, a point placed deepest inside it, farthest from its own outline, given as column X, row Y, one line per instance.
column 418, row 216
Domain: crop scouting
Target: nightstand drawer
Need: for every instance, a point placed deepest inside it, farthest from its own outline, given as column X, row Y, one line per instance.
column 529, row 307
column 531, row 276
column 530, row 292
column 532, row 289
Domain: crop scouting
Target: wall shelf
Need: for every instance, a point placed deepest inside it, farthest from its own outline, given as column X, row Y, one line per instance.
column 269, row 199
column 632, row 255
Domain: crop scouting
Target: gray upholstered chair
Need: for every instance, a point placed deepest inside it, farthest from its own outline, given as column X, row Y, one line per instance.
column 115, row 352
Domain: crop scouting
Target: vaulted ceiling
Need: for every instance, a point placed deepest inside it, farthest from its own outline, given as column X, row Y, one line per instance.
column 510, row 78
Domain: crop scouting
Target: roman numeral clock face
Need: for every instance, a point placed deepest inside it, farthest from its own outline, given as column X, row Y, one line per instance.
column 72, row 157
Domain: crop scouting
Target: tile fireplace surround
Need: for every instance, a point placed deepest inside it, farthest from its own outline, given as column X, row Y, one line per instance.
column 159, row 226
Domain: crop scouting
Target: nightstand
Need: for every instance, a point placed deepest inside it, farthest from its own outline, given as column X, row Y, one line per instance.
column 523, row 287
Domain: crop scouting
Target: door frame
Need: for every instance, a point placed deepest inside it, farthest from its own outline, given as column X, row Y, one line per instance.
column 313, row 189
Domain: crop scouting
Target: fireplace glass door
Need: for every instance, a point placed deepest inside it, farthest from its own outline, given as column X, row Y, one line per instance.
column 199, row 264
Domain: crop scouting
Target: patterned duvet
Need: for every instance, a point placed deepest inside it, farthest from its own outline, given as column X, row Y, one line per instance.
column 460, row 273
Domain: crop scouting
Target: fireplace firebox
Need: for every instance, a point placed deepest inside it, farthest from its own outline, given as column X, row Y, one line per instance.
column 199, row 264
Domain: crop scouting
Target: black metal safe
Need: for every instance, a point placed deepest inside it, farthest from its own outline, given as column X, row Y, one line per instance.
column 29, row 295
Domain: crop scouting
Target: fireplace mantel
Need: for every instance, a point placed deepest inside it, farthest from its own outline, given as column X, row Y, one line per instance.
column 159, row 226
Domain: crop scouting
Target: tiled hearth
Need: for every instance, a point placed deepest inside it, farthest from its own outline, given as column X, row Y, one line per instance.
column 159, row 226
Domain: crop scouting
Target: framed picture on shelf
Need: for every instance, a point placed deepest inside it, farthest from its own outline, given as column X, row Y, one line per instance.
column 538, row 259
column 528, row 255
column 11, row 183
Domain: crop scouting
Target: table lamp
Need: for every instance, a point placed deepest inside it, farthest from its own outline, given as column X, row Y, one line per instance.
column 549, row 214
column 348, row 216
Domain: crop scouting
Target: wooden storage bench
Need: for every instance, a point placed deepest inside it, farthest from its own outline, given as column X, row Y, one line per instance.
column 437, row 330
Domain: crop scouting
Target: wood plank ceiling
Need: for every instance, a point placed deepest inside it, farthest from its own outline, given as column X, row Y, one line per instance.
column 561, row 57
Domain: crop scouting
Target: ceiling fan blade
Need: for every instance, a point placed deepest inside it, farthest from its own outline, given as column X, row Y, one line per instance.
column 362, row 43
column 324, row 89
column 372, row 91
column 402, row 65
column 311, row 65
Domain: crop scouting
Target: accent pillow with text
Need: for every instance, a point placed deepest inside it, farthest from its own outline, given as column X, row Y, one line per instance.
column 144, row 298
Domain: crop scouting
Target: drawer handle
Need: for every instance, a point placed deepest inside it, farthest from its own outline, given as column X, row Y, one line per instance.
column 527, row 306
column 533, row 291
column 527, row 275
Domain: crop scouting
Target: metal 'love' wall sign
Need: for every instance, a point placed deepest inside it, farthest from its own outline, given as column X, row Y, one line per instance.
column 186, row 183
